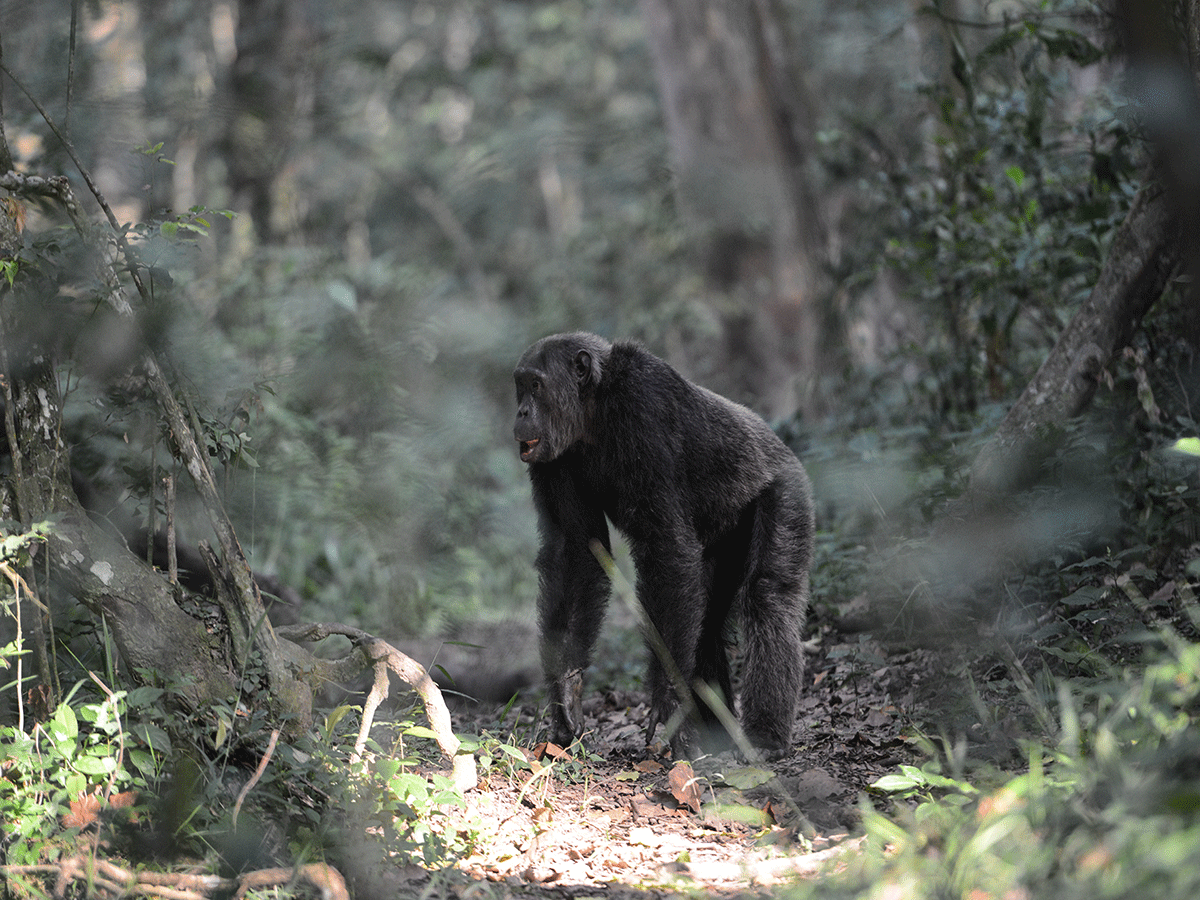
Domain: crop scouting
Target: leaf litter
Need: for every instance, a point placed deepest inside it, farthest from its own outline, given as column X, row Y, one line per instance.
column 626, row 820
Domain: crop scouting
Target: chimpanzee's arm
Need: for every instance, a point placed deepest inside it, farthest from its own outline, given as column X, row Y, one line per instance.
column 574, row 591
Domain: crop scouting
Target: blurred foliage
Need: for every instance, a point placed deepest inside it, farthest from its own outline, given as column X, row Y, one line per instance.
column 996, row 229
column 1108, row 808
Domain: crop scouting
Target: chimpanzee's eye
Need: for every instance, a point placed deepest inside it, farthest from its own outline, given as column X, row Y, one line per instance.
column 535, row 386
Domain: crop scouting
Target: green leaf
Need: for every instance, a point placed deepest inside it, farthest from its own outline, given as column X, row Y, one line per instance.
column 1187, row 445
column 96, row 765
column 144, row 696
column 893, row 784
column 420, row 731
column 514, row 752
column 409, row 786
column 1085, row 596
column 747, row 777
column 142, row 761
column 152, row 736
column 737, row 812
column 63, row 726
column 387, row 768
column 335, row 716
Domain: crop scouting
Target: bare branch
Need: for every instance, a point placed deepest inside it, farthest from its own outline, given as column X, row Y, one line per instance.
column 386, row 657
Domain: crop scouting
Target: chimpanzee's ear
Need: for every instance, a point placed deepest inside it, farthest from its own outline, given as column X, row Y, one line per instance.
column 587, row 368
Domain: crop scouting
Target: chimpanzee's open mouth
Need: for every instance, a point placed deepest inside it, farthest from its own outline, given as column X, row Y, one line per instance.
column 527, row 448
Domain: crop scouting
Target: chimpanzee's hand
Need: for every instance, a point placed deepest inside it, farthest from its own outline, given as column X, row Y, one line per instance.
column 683, row 739
column 566, row 708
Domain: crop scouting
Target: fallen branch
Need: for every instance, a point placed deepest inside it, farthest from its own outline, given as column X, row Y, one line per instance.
column 766, row 871
column 256, row 777
column 385, row 657
column 105, row 879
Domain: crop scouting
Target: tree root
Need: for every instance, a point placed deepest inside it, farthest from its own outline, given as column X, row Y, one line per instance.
column 383, row 656
column 104, row 879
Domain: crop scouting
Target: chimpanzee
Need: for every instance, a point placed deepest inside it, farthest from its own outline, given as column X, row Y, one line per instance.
column 718, row 515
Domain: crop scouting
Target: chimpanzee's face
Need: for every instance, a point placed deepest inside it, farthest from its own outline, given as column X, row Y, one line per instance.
column 532, row 428
column 556, row 380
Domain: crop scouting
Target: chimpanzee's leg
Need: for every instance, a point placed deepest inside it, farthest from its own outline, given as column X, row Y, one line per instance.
column 773, row 608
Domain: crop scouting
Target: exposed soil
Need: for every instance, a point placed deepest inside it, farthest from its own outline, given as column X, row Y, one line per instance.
column 622, row 819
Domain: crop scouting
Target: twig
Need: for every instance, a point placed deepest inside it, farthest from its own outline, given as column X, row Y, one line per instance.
column 15, row 578
column 258, row 773
column 108, row 880
column 172, row 558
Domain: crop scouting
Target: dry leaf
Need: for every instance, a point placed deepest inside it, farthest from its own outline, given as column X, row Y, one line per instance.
column 649, row 766
column 541, row 875
column 685, row 787
column 83, row 811
column 552, row 750
column 578, row 853
column 816, row 784
column 123, row 799
column 643, row 807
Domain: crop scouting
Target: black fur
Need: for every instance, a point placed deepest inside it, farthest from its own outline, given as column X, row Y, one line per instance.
column 717, row 511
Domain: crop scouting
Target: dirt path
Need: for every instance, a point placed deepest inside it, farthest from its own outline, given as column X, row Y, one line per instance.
column 623, row 820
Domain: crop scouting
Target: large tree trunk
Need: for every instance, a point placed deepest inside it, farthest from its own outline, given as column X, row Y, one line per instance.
column 736, row 127
column 271, row 92
column 151, row 632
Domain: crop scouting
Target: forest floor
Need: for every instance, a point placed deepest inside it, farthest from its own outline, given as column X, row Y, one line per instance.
column 625, row 820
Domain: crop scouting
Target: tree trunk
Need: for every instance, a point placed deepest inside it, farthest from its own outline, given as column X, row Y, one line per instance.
column 735, row 127
column 151, row 632
column 1144, row 253
column 271, row 90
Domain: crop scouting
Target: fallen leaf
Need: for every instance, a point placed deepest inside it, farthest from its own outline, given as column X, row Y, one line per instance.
column 541, row 875
column 685, row 787
column 817, row 784
column 552, row 750
column 123, row 799
column 877, row 717
column 643, row 807
column 649, row 766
